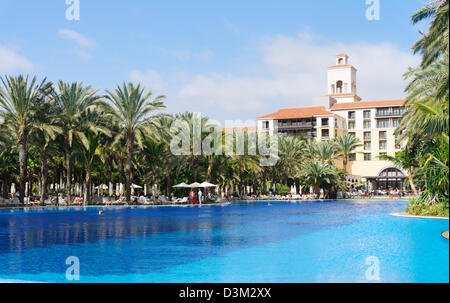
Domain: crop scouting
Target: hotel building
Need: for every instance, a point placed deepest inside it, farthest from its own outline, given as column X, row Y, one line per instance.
column 343, row 111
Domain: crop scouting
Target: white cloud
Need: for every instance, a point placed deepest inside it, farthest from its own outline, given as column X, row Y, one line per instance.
column 296, row 74
column 150, row 79
column 293, row 71
column 11, row 61
column 84, row 45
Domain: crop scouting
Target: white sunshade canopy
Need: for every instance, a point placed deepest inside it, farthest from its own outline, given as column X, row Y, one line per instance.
column 181, row 185
column 103, row 186
column 206, row 184
column 135, row 186
column 195, row 185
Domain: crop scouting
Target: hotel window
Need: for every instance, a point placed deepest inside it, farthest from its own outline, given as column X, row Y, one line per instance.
column 383, row 154
column 352, row 134
column 265, row 124
column 351, row 125
column 367, row 157
column 367, row 145
column 383, row 135
column 383, row 112
column 367, row 124
column 383, row 123
column 395, row 122
column 397, row 110
column 367, row 135
column 325, row 133
column 324, row 121
column 352, row 157
column 367, row 114
column 351, row 115
column 383, row 145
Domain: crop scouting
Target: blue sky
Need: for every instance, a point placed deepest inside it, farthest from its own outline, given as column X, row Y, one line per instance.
column 227, row 59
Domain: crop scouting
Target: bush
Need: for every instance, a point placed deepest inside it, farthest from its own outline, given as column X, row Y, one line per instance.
column 418, row 207
column 281, row 189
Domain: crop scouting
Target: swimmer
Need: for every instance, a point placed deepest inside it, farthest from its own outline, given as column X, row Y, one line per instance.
column 100, row 212
column 269, row 204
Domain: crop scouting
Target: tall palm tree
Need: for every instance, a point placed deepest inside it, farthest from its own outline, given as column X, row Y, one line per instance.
column 345, row 145
column 131, row 107
column 192, row 121
column 88, row 155
column 19, row 100
column 435, row 43
column 76, row 106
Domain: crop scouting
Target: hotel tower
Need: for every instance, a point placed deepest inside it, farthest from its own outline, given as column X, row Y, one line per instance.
column 342, row 111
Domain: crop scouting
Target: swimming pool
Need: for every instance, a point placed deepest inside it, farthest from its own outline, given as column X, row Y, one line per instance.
column 330, row 241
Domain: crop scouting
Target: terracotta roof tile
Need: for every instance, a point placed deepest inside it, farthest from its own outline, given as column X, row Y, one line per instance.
column 366, row 104
column 297, row 113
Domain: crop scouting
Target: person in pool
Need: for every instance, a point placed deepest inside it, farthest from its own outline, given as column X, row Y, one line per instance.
column 100, row 212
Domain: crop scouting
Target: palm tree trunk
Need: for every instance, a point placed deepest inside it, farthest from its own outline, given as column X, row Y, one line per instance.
column 23, row 166
column 69, row 172
column 44, row 175
column 209, row 170
column 316, row 189
column 194, row 168
column 88, row 186
column 120, row 168
column 411, row 182
column 129, row 142
column 345, row 166
column 169, row 183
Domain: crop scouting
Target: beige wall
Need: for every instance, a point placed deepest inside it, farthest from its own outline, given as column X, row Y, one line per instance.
column 361, row 167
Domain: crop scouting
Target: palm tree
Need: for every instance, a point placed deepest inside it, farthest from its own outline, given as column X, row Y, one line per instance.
column 8, row 160
column 88, row 155
column 321, row 175
column 76, row 107
column 345, row 145
column 326, row 151
column 131, row 108
column 19, row 100
column 194, row 154
column 435, row 43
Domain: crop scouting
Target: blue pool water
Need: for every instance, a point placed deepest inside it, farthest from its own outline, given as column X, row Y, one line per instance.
column 242, row 242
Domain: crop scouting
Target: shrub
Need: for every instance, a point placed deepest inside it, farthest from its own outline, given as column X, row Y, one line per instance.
column 419, row 207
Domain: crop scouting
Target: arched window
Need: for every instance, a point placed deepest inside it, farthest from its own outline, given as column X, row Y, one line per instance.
column 339, row 87
column 340, row 61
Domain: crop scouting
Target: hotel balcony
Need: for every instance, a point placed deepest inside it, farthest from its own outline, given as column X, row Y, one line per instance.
column 389, row 114
column 295, row 125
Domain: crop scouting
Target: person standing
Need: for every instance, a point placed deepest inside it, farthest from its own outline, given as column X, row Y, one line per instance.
column 200, row 196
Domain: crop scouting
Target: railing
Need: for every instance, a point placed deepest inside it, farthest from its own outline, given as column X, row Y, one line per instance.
column 389, row 114
column 295, row 125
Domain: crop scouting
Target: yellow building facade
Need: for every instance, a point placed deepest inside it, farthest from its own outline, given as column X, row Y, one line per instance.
column 343, row 111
